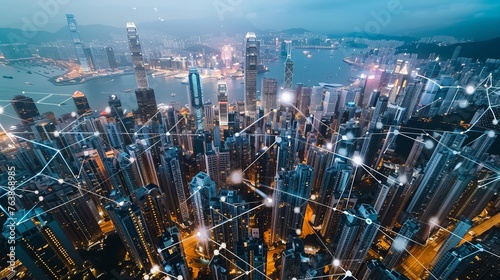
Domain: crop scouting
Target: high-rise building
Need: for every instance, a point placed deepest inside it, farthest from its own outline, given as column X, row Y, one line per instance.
column 147, row 108
column 196, row 99
column 454, row 261
column 223, row 103
column 136, row 53
column 25, row 108
column 154, row 208
column 131, row 226
column 408, row 230
column 75, row 36
column 81, row 103
column 110, row 54
column 173, row 258
column 292, row 190
column 454, row 238
column 251, row 63
column 269, row 94
column 42, row 246
column 288, row 84
column 252, row 255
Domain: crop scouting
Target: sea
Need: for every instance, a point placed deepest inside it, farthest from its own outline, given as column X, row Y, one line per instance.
column 312, row 66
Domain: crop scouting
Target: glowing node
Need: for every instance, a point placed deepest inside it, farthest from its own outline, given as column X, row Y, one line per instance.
column 40, row 198
column 470, row 89
column 289, row 137
column 298, row 231
column 342, row 152
column 131, row 159
column 286, row 98
column 350, row 136
column 236, row 177
column 96, row 133
column 275, row 110
column 344, row 137
column 199, row 187
column 135, row 133
column 36, row 192
column 463, row 103
column 329, row 146
column 60, row 181
column 348, row 273
column 121, row 203
column 278, row 139
column 455, row 152
column 368, row 221
column 223, row 198
column 428, row 144
column 269, row 202
column 433, row 221
column 168, row 133
column 399, row 243
column 379, row 125
column 159, row 250
column 23, row 92
column 237, row 134
column 180, row 277
column 107, row 110
column 402, row 179
column 247, row 272
column 294, row 278
column 155, row 269
column 313, row 196
column 396, row 132
column 336, row 262
column 491, row 133
column 1, row 110
column 216, row 252
column 495, row 122
column 198, row 233
column 73, row 114
column 296, row 210
column 223, row 245
column 357, row 160
column 56, row 133
column 146, row 277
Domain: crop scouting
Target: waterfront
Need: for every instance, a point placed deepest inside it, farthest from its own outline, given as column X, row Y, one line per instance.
column 317, row 66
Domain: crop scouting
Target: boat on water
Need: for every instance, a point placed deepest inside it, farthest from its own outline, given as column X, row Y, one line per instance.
column 29, row 72
column 185, row 81
column 128, row 90
column 158, row 74
column 173, row 94
column 7, row 77
column 28, row 83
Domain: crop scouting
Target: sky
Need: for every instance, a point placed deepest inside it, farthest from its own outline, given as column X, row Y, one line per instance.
column 396, row 17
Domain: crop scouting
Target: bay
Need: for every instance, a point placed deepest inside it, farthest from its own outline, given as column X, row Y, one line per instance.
column 311, row 67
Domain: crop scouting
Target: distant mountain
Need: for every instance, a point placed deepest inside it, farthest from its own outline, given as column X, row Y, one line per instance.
column 374, row 36
column 477, row 50
column 97, row 32
column 295, row 31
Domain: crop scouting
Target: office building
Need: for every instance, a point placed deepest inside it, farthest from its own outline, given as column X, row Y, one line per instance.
column 75, row 36
column 137, row 57
column 25, row 108
column 251, row 63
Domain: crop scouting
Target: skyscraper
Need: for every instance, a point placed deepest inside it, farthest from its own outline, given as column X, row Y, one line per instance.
column 25, row 108
column 196, row 99
column 137, row 59
column 223, row 104
column 147, row 108
column 81, row 103
column 75, row 36
column 269, row 93
column 292, row 189
column 408, row 230
column 288, row 84
column 251, row 62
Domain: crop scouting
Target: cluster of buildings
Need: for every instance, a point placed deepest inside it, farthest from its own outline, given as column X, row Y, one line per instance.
column 248, row 181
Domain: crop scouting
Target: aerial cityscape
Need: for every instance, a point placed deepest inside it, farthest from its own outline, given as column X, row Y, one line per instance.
column 231, row 139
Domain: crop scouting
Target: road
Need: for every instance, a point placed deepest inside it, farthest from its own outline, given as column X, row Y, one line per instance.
column 482, row 228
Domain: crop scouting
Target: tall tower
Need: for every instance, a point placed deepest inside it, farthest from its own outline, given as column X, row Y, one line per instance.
column 288, row 67
column 223, row 105
column 196, row 98
column 454, row 238
column 25, row 108
column 80, row 53
column 408, row 230
column 136, row 53
column 251, row 62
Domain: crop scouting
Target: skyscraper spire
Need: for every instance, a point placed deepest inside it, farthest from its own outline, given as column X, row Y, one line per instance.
column 288, row 67
column 136, row 53
column 70, row 18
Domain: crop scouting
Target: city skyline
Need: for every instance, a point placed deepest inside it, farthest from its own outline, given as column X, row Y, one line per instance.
column 391, row 174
